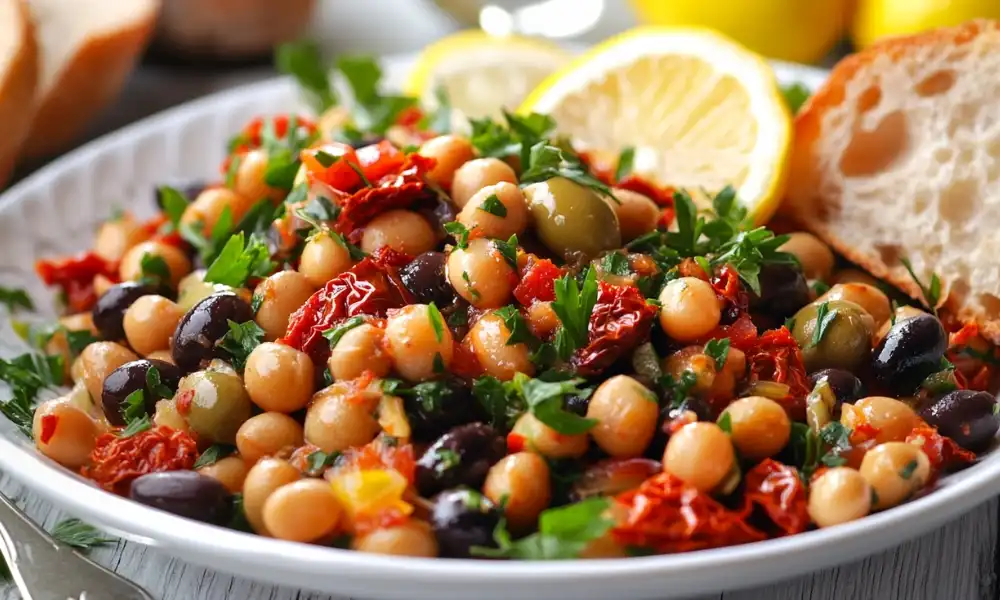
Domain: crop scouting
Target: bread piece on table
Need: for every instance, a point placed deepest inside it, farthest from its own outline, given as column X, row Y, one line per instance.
column 18, row 78
column 898, row 156
column 88, row 48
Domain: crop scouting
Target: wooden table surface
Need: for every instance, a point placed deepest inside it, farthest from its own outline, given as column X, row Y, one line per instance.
column 955, row 562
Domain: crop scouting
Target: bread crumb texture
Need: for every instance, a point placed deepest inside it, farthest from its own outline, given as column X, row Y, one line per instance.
column 898, row 156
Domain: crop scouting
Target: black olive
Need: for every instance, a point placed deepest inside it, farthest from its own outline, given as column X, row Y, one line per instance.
column 438, row 212
column 667, row 414
column 910, row 352
column 577, row 404
column 965, row 416
column 463, row 518
column 205, row 324
column 844, row 385
column 185, row 493
column 460, row 457
column 783, row 291
column 130, row 377
column 434, row 407
column 425, row 278
column 109, row 312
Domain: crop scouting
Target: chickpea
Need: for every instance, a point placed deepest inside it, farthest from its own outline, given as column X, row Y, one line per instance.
column 150, row 322
column 868, row 297
column 760, row 426
column 360, row 349
column 542, row 320
column 230, row 471
column 700, row 454
column 902, row 313
column 523, row 479
column 302, row 511
column 419, row 341
column 167, row 415
column 816, row 257
column 340, row 418
column 101, row 285
column 690, row 309
column 402, row 230
column 177, row 262
column 839, row 495
column 895, row 470
column 59, row 343
column 249, row 182
column 546, row 441
column 323, row 258
column 412, row 538
column 501, row 219
column 477, row 174
column 626, row 414
column 261, row 481
column 280, row 295
column 732, row 372
column 488, row 338
column 208, row 207
column 481, row 275
column 267, row 434
column 98, row 360
column 853, row 276
column 894, row 419
column 637, row 213
column 64, row 432
column 450, row 152
column 116, row 236
column 693, row 359
column 278, row 377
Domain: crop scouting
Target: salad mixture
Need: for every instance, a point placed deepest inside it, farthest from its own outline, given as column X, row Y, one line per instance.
column 374, row 332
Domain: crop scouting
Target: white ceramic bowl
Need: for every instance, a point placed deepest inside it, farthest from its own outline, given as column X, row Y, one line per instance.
column 56, row 210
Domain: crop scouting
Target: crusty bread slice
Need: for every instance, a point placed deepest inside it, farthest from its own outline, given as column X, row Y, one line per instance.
column 88, row 48
column 898, row 156
column 18, row 79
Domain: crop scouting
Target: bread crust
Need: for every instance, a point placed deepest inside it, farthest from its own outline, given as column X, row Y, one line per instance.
column 87, row 83
column 805, row 202
column 17, row 93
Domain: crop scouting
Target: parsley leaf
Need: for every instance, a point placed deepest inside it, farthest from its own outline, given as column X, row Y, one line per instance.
column 932, row 292
column 616, row 263
column 174, row 203
column 908, row 469
column 546, row 161
column 15, row 299
column 212, row 455
column 676, row 390
column 718, row 350
column 824, row 318
column 79, row 535
column 335, row 333
column 438, row 121
column 626, row 162
column 238, row 262
column 240, row 341
column 134, row 413
column 303, row 61
column 508, row 250
column 573, row 305
column 545, row 400
column 319, row 461
column 493, row 206
column 503, row 408
column 371, row 111
column 795, row 95
column 154, row 270
column 155, row 385
column 437, row 321
column 563, row 533
column 460, row 233
column 725, row 422
column 516, row 325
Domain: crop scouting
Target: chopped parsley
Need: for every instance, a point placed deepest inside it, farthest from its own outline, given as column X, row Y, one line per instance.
column 240, row 341
column 438, row 121
column 725, row 422
column 437, row 321
column 335, row 333
column 493, row 206
column 563, row 533
column 212, row 455
column 616, row 263
column 320, row 461
column 447, row 459
column 371, row 111
column 15, row 299
column 544, row 399
column 134, row 413
column 931, row 292
column 155, row 385
column 676, row 390
column 907, row 471
column 79, row 535
column 468, row 282
column 795, row 95
column 824, row 318
column 460, row 232
column 508, row 250
column 174, row 203
column 516, row 325
column 154, row 270
column 573, row 305
column 626, row 162
column 303, row 61
column 514, row 137
column 239, row 261
column 459, row 316
column 546, row 161
column 718, row 350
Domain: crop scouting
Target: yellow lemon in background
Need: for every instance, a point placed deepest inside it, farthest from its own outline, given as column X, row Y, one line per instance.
column 795, row 30
column 881, row 18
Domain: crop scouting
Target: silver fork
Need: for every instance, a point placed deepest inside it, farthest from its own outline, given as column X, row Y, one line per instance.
column 46, row 570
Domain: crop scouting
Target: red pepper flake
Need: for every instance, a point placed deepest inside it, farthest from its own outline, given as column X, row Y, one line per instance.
column 116, row 461
column 372, row 287
column 621, row 320
column 75, row 275
column 778, row 491
column 394, row 190
column 538, row 281
column 515, row 443
column 944, row 453
column 183, row 402
column 49, row 424
column 776, row 357
column 666, row 515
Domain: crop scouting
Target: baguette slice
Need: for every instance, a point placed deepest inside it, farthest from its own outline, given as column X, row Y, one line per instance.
column 18, row 79
column 898, row 156
column 88, row 49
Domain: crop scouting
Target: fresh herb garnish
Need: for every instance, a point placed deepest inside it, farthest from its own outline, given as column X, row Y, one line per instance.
column 516, row 325
column 303, row 61
column 563, row 533
column 27, row 375
column 544, row 400
column 319, row 461
column 134, row 413
column 546, row 161
column 932, row 292
column 174, row 204
column 212, row 455
column 616, row 263
column 438, row 121
column 725, row 422
column 824, row 318
column 238, row 262
column 154, row 270
column 811, row 449
column 718, row 350
column 503, row 409
column 15, row 299
column 493, row 206
column 371, row 111
column 446, row 459
column 233, row 170
column 468, row 282
column 514, row 138
column 508, row 250
column 240, row 341
column 79, row 535
column 438, row 364
column 437, row 321
column 795, row 95
column 573, row 305
column 459, row 316
column 459, row 232
column 626, row 162
column 675, row 391
column 155, row 385
column 335, row 333
column 907, row 471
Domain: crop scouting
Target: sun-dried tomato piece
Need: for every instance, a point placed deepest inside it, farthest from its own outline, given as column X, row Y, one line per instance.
column 116, row 461
column 393, row 190
column 75, row 276
column 371, row 288
column 776, row 357
column 538, row 281
column 944, row 453
column 621, row 320
column 666, row 515
column 777, row 490
column 49, row 424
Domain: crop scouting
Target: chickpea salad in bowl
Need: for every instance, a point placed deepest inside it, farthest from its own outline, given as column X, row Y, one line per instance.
column 379, row 332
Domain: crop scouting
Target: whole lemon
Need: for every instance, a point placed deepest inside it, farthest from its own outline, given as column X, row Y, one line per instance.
column 881, row 18
column 794, row 30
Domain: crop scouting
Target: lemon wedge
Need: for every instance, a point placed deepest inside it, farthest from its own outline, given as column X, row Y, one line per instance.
column 701, row 111
column 481, row 73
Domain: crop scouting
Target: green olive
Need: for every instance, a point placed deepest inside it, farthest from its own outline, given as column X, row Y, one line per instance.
column 572, row 220
column 192, row 289
column 218, row 406
column 844, row 339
